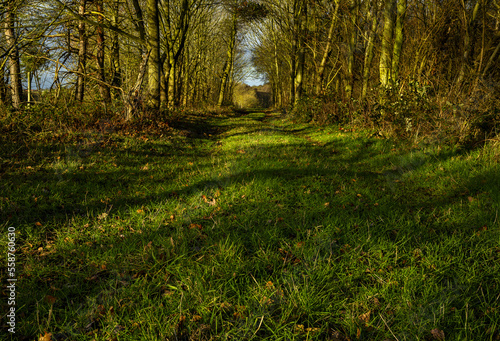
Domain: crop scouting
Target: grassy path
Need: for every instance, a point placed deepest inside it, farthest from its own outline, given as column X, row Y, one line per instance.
column 252, row 228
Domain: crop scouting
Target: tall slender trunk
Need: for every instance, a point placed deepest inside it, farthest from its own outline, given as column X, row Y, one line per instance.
column 115, row 52
column 172, row 78
column 82, row 54
column 301, row 60
column 229, row 62
column 164, row 83
column 372, row 16
column 353, row 9
column 385, row 52
column 153, row 42
column 398, row 39
column 103, row 88
column 278, row 98
column 14, row 66
column 468, row 42
column 320, row 73
column 3, row 86
column 293, row 57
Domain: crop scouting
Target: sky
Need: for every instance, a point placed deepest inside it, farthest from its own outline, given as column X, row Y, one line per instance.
column 253, row 81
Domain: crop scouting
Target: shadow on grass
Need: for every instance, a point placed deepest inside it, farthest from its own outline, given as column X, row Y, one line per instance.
column 362, row 191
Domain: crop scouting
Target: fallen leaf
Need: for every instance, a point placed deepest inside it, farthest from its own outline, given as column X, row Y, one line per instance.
column 50, row 299
column 437, row 334
column 102, row 216
column 38, row 223
column 46, row 337
column 148, row 246
column 195, row 226
column 365, row 317
column 140, row 211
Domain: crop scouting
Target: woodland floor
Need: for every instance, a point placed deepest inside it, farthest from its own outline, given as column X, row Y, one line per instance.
column 248, row 227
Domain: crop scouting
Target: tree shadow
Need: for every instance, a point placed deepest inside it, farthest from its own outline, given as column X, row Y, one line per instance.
column 54, row 197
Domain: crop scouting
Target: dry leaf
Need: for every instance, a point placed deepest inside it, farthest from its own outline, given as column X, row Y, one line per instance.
column 437, row 334
column 46, row 337
column 50, row 299
column 195, row 226
column 140, row 211
column 148, row 246
column 38, row 223
column 365, row 317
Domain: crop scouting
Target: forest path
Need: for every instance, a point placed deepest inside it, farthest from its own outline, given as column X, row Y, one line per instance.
column 301, row 231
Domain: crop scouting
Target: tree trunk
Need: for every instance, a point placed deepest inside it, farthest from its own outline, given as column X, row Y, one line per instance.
column 82, row 54
column 14, row 66
column 293, row 57
column 385, row 52
column 353, row 9
column 469, row 26
column 171, row 78
column 372, row 16
column 278, row 98
column 153, row 42
column 229, row 62
column 103, row 88
column 398, row 39
column 320, row 73
column 301, row 60
column 132, row 101
column 3, row 86
column 115, row 52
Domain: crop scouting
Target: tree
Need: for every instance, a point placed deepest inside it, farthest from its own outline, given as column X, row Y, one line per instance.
column 13, row 53
column 82, row 54
column 103, row 87
column 153, row 43
column 320, row 72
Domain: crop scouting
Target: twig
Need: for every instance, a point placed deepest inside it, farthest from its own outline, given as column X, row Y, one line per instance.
column 388, row 327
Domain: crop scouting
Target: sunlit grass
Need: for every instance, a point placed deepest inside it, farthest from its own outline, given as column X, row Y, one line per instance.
column 263, row 230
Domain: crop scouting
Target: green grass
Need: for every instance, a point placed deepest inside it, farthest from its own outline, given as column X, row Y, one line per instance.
column 249, row 227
